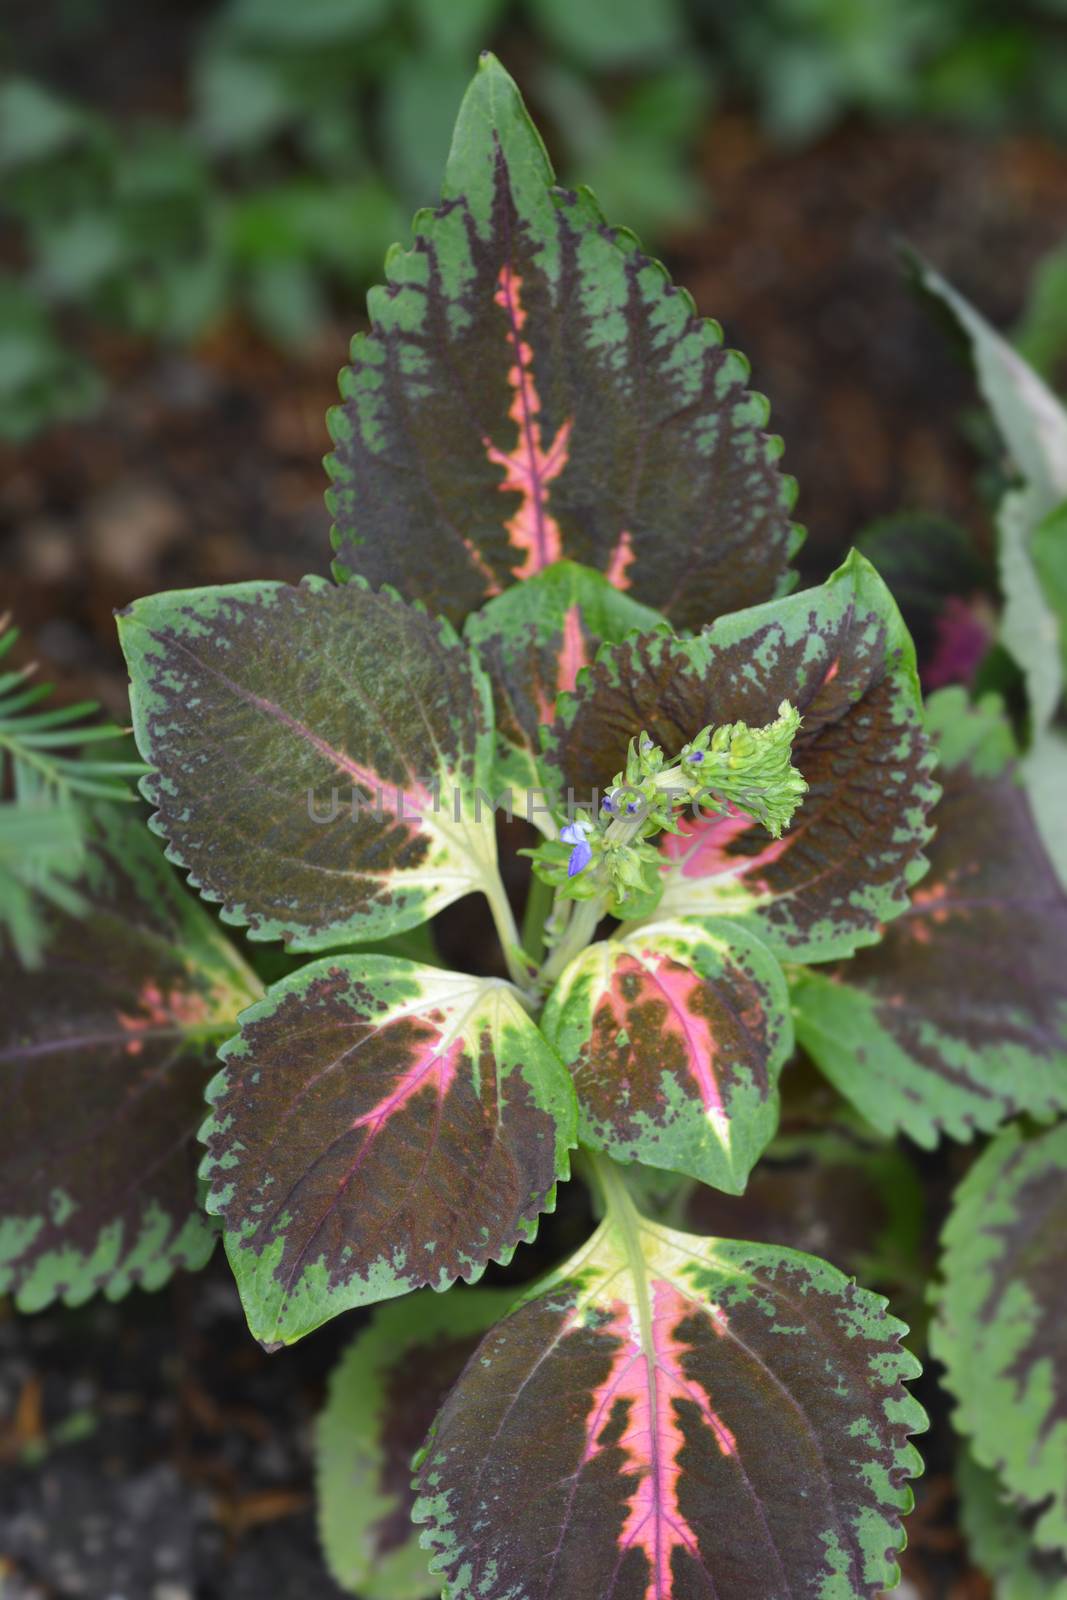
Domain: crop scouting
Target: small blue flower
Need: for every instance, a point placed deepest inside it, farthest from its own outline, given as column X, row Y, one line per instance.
column 606, row 805
column 581, row 856
column 632, row 806
column 575, row 833
column 695, row 756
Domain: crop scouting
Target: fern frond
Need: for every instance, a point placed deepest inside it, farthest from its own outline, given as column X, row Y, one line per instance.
column 39, row 759
column 45, row 773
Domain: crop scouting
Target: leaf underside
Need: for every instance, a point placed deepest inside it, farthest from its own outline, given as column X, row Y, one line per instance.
column 841, row 655
column 958, row 1019
column 534, row 387
column 999, row 1328
column 383, row 1396
column 104, row 1055
column 317, row 753
column 675, row 1035
column 676, row 1417
column 379, row 1126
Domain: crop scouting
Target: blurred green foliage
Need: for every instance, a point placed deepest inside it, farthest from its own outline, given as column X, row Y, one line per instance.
column 302, row 134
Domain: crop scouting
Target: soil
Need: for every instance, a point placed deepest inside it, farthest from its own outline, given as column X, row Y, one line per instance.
column 150, row 1450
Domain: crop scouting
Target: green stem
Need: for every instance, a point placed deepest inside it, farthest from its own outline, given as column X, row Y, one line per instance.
column 508, row 934
column 580, row 930
column 609, row 1183
column 626, row 1220
column 538, row 906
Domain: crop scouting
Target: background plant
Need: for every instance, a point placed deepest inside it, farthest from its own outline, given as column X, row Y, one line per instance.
column 304, row 136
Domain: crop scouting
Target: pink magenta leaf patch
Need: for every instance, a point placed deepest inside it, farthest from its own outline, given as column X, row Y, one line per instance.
column 529, row 469
column 318, row 752
column 841, row 656
column 534, row 387
column 105, row 1051
column 533, row 641
column 957, row 1020
column 675, row 1034
column 679, row 1418
column 379, row 1126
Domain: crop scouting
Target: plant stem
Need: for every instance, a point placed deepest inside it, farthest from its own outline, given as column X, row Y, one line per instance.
column 580, row 930
column 507, row 933
column 621, row 1213
column 538, row 905
column 607, row 1179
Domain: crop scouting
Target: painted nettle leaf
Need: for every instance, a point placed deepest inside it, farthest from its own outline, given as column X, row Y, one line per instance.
column 999, row 1539
column 841, row 656
column 533, row 388
column 533, row 640
column 676, row 1034
column 1000, row 1320
column 105, row 1050
column 383, row 1397
column 378, row 1126
column 957, row 1020
column 317, row 753
column 676, row 1416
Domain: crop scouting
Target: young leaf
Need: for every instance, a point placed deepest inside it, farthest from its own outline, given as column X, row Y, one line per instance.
column 383, row 1397
column 999, row 1327
column 1000, row 1541
column 676, row 1416
column 104, row 1054
column 1033, row 425
column 534, row 387
column 1048, row 549
column 958, row 1019
column 379, row 1125
column 841, row 656
column 1044, row 770
column 675, row 1035
column 317, row 754
column 533, row 640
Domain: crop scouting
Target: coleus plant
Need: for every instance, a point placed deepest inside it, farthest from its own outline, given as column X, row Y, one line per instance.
column 561, row 581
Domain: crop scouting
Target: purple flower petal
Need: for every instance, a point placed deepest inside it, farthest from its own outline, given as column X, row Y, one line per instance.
column 573, row 833
column 581, row 856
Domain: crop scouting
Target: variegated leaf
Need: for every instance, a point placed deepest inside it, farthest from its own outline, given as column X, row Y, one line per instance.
column 670, row 1416
column 534, row 387
column 383, row 1397
column 958, row 1019
column 675, row 1035
column 533, row 640
column 841, row 656
column 378, row 1126
column 1000, row 1541
column 1033, row 425
column 318, row 755
column 999, row 1326
column 104, row 1054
